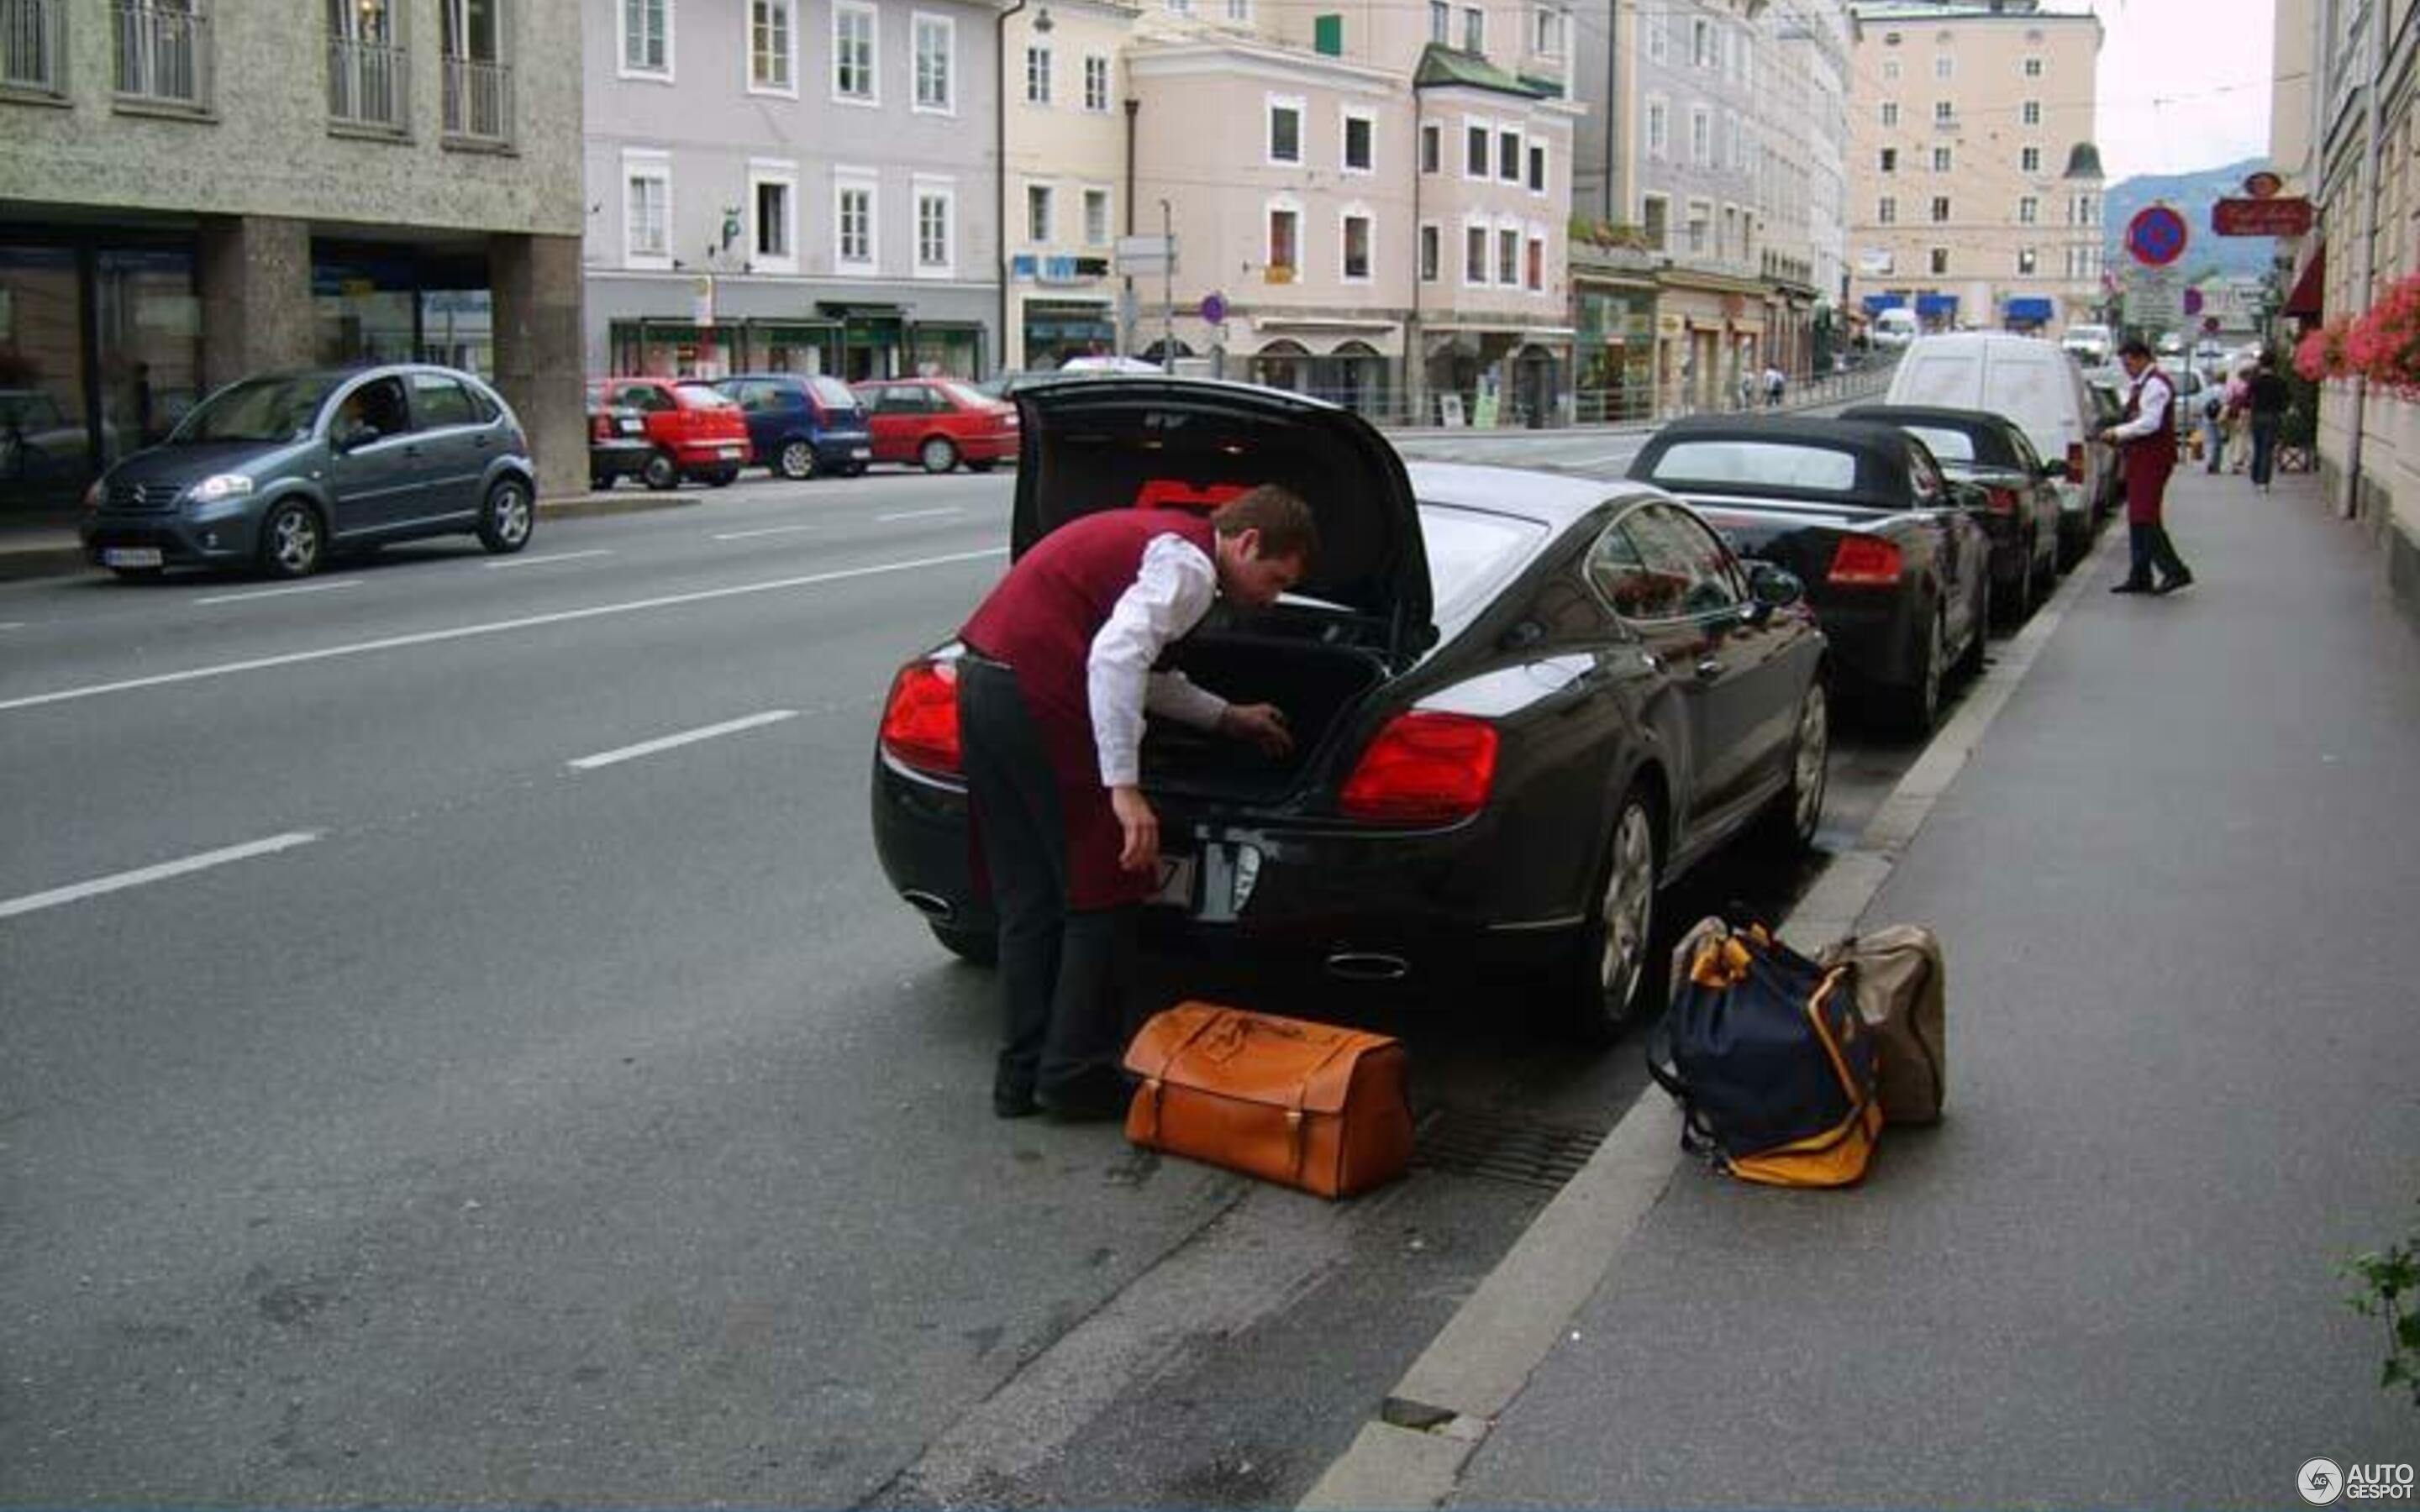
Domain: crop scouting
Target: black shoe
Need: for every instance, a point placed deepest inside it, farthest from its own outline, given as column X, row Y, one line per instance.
column 1012, row 1101
column 2182, row 579
column 2130, row 586
column 1092, row 1099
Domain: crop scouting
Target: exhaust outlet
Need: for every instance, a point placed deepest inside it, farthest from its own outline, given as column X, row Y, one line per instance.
column 932, row 905
column 1368, row 965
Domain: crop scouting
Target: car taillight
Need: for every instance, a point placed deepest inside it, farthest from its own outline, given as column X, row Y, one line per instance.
column 920, row 724
column 2075, row 461
column 1865, row 561
column 2000, row 501
column 601, row 428
column 1423, row 769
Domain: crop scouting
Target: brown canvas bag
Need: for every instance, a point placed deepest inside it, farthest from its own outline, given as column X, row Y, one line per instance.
column 1901, row 991
column 1308, row 1105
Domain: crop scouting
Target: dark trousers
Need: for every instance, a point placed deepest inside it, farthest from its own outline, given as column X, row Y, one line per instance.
column 1063, row 971
column 2151, row 547
column 2264, row 447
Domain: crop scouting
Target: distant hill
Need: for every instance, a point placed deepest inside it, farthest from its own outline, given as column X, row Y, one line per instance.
column 2191, row 194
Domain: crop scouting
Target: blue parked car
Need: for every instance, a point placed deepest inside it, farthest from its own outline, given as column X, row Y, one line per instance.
column 800, row 425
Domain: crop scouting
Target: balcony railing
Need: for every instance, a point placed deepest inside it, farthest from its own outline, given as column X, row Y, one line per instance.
column 478, row 101
column 368, row 85
column 33, row 45
column 163, row 52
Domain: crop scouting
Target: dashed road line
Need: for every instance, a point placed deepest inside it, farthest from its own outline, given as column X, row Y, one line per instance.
column 123, row 880
column 249, row 594
column 770, row 529
column 540, row 562
column 687, row 737
column 918, row 514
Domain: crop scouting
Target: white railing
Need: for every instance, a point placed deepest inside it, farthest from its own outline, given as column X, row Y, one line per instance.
column 33, row 45
column 368, row 83
column 478, row 99
column 163, row 52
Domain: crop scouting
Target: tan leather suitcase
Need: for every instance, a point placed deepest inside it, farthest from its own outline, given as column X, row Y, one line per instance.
column 1310, row 1105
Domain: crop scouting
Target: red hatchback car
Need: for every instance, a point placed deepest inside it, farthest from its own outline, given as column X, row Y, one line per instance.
column 697, row 432
column 937, row 423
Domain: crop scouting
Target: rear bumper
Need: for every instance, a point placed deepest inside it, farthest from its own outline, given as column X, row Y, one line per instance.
column 1871, row 634
column 618, row 459
column 988, row 448
column 843, row 450
column 711, row 455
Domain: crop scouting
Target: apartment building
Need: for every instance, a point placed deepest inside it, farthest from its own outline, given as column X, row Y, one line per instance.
column 1370, row 199
column 1067, row 172
column 792, row 185
column 1802, row 193
column 1975, row 189
column 193, row 189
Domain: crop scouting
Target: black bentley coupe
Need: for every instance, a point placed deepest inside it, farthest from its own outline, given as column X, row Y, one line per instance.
column 1522, row 703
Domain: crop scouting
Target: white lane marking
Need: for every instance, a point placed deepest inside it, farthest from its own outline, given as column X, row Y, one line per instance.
column 770, row 529
column 425, row 638
column 687, row 737
column 13, row 625
column 539, row 562
column 250, row 595
column 154, row 873
column 918, row 514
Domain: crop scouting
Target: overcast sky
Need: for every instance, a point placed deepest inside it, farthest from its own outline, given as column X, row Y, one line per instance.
column 2184, row 83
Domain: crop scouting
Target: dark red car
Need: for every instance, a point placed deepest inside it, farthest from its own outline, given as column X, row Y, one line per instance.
column 697, row 433
column 938, row 424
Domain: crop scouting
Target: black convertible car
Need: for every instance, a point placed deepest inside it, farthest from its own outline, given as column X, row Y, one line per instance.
column 1522, row 703
column 1892, row 556
column 2019, row 500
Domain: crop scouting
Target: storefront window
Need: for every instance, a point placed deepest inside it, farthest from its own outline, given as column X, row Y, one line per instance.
column 458, row 329
column 946, row 351
column 1057, row 329
column 45, row 448
column 149, row 347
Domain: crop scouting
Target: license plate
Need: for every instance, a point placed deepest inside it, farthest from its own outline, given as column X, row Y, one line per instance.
column 632, row 424
column 130, row 556
column 1175, row 881
column 727, row 453
column 859, row 454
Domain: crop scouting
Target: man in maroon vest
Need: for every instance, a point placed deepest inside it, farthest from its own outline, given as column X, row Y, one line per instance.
column 2147, row 434
column 1051, row 702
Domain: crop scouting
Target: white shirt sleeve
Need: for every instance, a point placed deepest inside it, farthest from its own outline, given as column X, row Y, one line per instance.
column 1170, row 593
column 2150, row 409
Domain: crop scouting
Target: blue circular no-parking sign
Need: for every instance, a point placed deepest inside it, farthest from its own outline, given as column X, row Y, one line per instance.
column 2156, row 235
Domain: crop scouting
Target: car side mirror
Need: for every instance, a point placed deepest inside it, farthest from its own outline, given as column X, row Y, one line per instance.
column 2057, row 471
column 1773, row 587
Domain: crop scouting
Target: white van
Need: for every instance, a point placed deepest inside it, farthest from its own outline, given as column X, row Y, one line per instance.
column 2089, row 345
column 1894, row 327
column 2032, row 383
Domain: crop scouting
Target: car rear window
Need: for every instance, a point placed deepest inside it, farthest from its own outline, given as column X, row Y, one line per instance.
column 1761, row 464
column 831, row 393
column 1469, row 553
column 1945, row 445
column 966, row 394
column 693, row 397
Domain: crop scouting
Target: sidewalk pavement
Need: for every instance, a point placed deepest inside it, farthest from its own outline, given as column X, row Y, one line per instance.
column 2174, row 881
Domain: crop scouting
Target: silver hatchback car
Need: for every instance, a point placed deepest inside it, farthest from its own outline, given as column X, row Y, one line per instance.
column 277, row 471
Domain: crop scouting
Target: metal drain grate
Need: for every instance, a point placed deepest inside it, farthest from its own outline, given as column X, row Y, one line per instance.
column 1503, row 1146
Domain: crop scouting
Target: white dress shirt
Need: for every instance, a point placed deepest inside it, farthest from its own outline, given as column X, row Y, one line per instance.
column 2151, row 395
column 1170, row 595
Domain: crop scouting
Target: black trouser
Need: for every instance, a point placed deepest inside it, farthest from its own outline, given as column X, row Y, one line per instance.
column 2264, row 446
column 2151, row 547
column 1063, row 971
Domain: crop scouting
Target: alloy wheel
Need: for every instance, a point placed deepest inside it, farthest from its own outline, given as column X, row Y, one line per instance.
column 1627, row 911
column 1812, row 764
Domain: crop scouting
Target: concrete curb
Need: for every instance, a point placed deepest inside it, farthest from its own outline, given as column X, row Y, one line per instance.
column 1461, row 1386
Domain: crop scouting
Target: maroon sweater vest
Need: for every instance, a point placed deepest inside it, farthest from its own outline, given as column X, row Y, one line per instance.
column 1041, row 620
column 2151, row 458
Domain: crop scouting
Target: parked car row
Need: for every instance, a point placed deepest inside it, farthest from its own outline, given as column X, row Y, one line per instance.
column 795, row 425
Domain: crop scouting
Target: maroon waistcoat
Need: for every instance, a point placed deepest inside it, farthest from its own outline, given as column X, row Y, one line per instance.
column 1041, row 620
column 2151, row 458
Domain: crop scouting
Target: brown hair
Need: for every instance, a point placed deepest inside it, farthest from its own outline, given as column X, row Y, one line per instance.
column 1284, row 521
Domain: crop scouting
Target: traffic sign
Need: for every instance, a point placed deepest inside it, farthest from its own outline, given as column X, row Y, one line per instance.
column 1214, row 307
column 2156, row 235
column 2286, row 217
column 2192, row 302
column 2155, row 297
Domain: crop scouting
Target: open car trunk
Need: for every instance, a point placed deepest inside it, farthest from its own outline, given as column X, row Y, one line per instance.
column 1316, row 685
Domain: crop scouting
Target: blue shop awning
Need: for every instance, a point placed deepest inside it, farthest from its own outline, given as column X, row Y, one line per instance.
column 1936, row 306
column 2030, row 308
column 1877, row 304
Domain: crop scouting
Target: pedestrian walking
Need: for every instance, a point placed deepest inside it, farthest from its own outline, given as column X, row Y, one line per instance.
column 2268, row 400
column 1773, row 384
column 2147, row 437
column 2239, row 420
column 1052, row 697
column 2213, row 434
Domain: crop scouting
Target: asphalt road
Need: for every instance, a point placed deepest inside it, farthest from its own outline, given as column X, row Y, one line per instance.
column 460, row 1048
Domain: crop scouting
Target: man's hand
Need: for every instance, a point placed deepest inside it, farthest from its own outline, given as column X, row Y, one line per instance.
column 1140, row 851
column 1262, row 724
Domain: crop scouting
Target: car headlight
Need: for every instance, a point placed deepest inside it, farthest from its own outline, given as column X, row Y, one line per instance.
column 94, row 496
column 222, row 486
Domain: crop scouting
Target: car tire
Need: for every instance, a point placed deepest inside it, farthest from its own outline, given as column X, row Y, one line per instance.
column 855, row 469
column 2014, row 610
column 1609, row 980
column 292, row 541
column 976, row 946
column 982, row 467
column 1918, row 704
column 601, row 482
column 507, row 518
column 1797, row 810
column 660, row 472
column 795, row 461
column 1969, row 664
column 938, row 454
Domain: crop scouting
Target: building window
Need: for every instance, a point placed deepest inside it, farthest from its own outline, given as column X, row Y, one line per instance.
column 2029, row 159
column 1474, row 255
column 1549, row 36
column 1940, row 210
column 1886, row 210
column 1733, row 152
column 853, row 222
column 2033, row 68
column 1659, row 44
column 1360, row 137
column 1940, row 159
column 1534, row 269
column 1702, row 136
column 1890, row 160
column 1097, row 83
column 1432, row 147
column 1537, row 168
column 1508, row 256
column 1356, row 249
column 646, row 211
column 1702, row 217
column 769, row 46
column 2084, row 209
column 1096, row 217
column 1474, row 157
column 2028, row 210
column 1890, row 113
column 1940, row 261
column 1037, row 214
column 1474, row 29
column 773, row 200
column 935, row 211
column 1659, row 128
column 1285, row 241
column 1285, row 131
column 647, row 36
column 2026, row 262
column 1440, row 21
column 937, row 46
column 1508, row 156
column 1890, row 70
column 1655, row 217
column 1239, row 12
column 1431, row 252
column 1703, row 48
column 1944, row 112
column 853, row 52
column 1945, row 65
column 1037, row 75
column 2030, row 112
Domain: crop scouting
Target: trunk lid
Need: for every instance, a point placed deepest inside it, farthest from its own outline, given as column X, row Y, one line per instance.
column 1118, row 442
